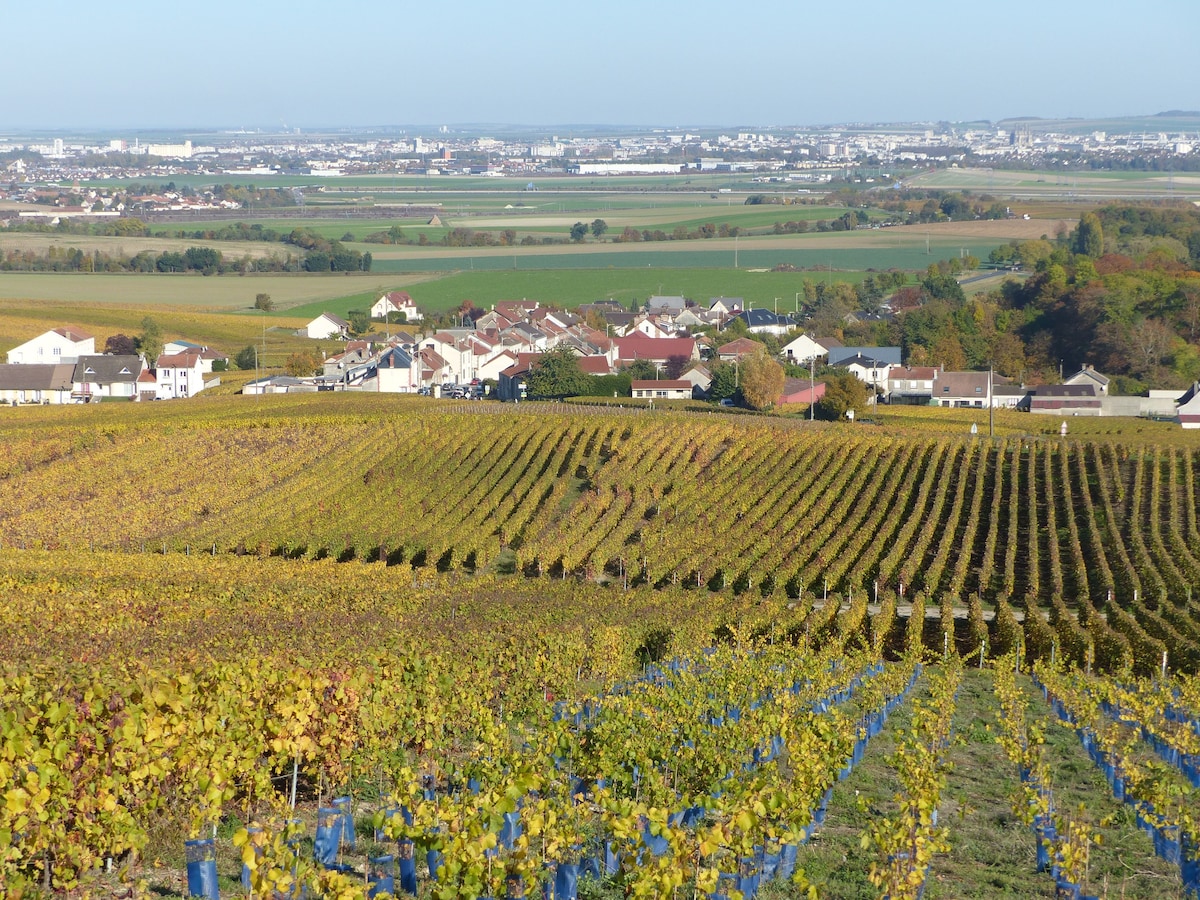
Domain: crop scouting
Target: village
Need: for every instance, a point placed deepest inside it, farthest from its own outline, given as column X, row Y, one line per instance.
column 493, row 354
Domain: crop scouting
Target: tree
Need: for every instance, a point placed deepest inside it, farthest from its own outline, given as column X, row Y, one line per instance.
column 599, row 226
column 360, row 320
column 761, row 380
column 247, row 358
column 149, row 342
column 264, row 302
column 120, row 345
column 724, row 385
column 203, row 259
column 300, row 364
column 641, row 370
column 676, row 365
column 1088, row 239
column 578, row 232
column 556, row 374
column 842, row 393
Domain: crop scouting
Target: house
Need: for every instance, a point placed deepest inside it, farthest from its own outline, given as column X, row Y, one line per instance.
column 763, row 321
column 178, row 376
column 868, row 370
column 700, row 378
column 59, row 345
column 35, row 383
column 670, row 305
column 396, row 302
column 799, row 390
column 725, row 306
column 327, row 325
column 1006, row 395
column 657, row 350
column 147, row 385
column 911, row 385
column 650, row 327
column 208, row 356
column 1055, row 399
column 106, row 378
column 805, row 348
column 737, row 349
column 889, row 355
column 1189, row 407
column 1088, row 375
column 280, row 384
column 962, row 389
column 394, row 373
column 664, row 389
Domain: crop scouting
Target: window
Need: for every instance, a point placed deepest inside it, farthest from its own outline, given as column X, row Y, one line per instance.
column 58, row 351
column 979, row 390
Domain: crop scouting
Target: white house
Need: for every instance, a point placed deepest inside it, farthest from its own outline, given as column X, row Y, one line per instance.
column 35, row 383
column 395, row 373
column 1089, row 375
column 912, row 385
column 208, row 356
column 1189, row 407
column 178, row 376
column 396, row 302
column 327, row 325
column 804, row 348
column 106, row 377
column 665, row 389
column 868, row 370
column 59, row 345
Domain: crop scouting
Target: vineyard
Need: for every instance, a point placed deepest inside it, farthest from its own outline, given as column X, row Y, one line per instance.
column 370, row 648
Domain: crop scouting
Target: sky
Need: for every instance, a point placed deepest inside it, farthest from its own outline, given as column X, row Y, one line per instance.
column 266, row 64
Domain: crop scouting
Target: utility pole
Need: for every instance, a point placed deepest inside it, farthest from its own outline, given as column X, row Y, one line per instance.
column 812, row 388
column 991, row 407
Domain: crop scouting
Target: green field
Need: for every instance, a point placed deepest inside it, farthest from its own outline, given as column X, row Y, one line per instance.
column 1077, row 186
column 571, row 287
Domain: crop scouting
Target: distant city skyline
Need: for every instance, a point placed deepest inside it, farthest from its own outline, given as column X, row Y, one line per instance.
column 133, row 64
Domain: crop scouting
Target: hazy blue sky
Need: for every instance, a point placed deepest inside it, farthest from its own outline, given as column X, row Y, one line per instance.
column 265, row 63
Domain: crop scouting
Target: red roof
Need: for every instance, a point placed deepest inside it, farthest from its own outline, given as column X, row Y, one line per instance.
column 595, row 365
column 740, row 347
column 72, row 334
column 639, row 346
column 178, row 361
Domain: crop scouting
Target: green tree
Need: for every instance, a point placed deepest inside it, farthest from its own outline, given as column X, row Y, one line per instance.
column 202, row 259
column 724, row 384
column 761, row 380
column 247, row 358
column 842, row 393
column 556, row 374
column 599, row 226
column 360, row 320
column 578, row 232
column 150, row 342
column 1088, row 239
column 264, row 302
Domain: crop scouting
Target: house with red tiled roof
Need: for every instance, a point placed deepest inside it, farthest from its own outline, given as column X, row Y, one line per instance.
column 58, row 345
column 801, row 391
column 396, row 302
column 739, row 348
column 638, row 346
column 178, row 376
